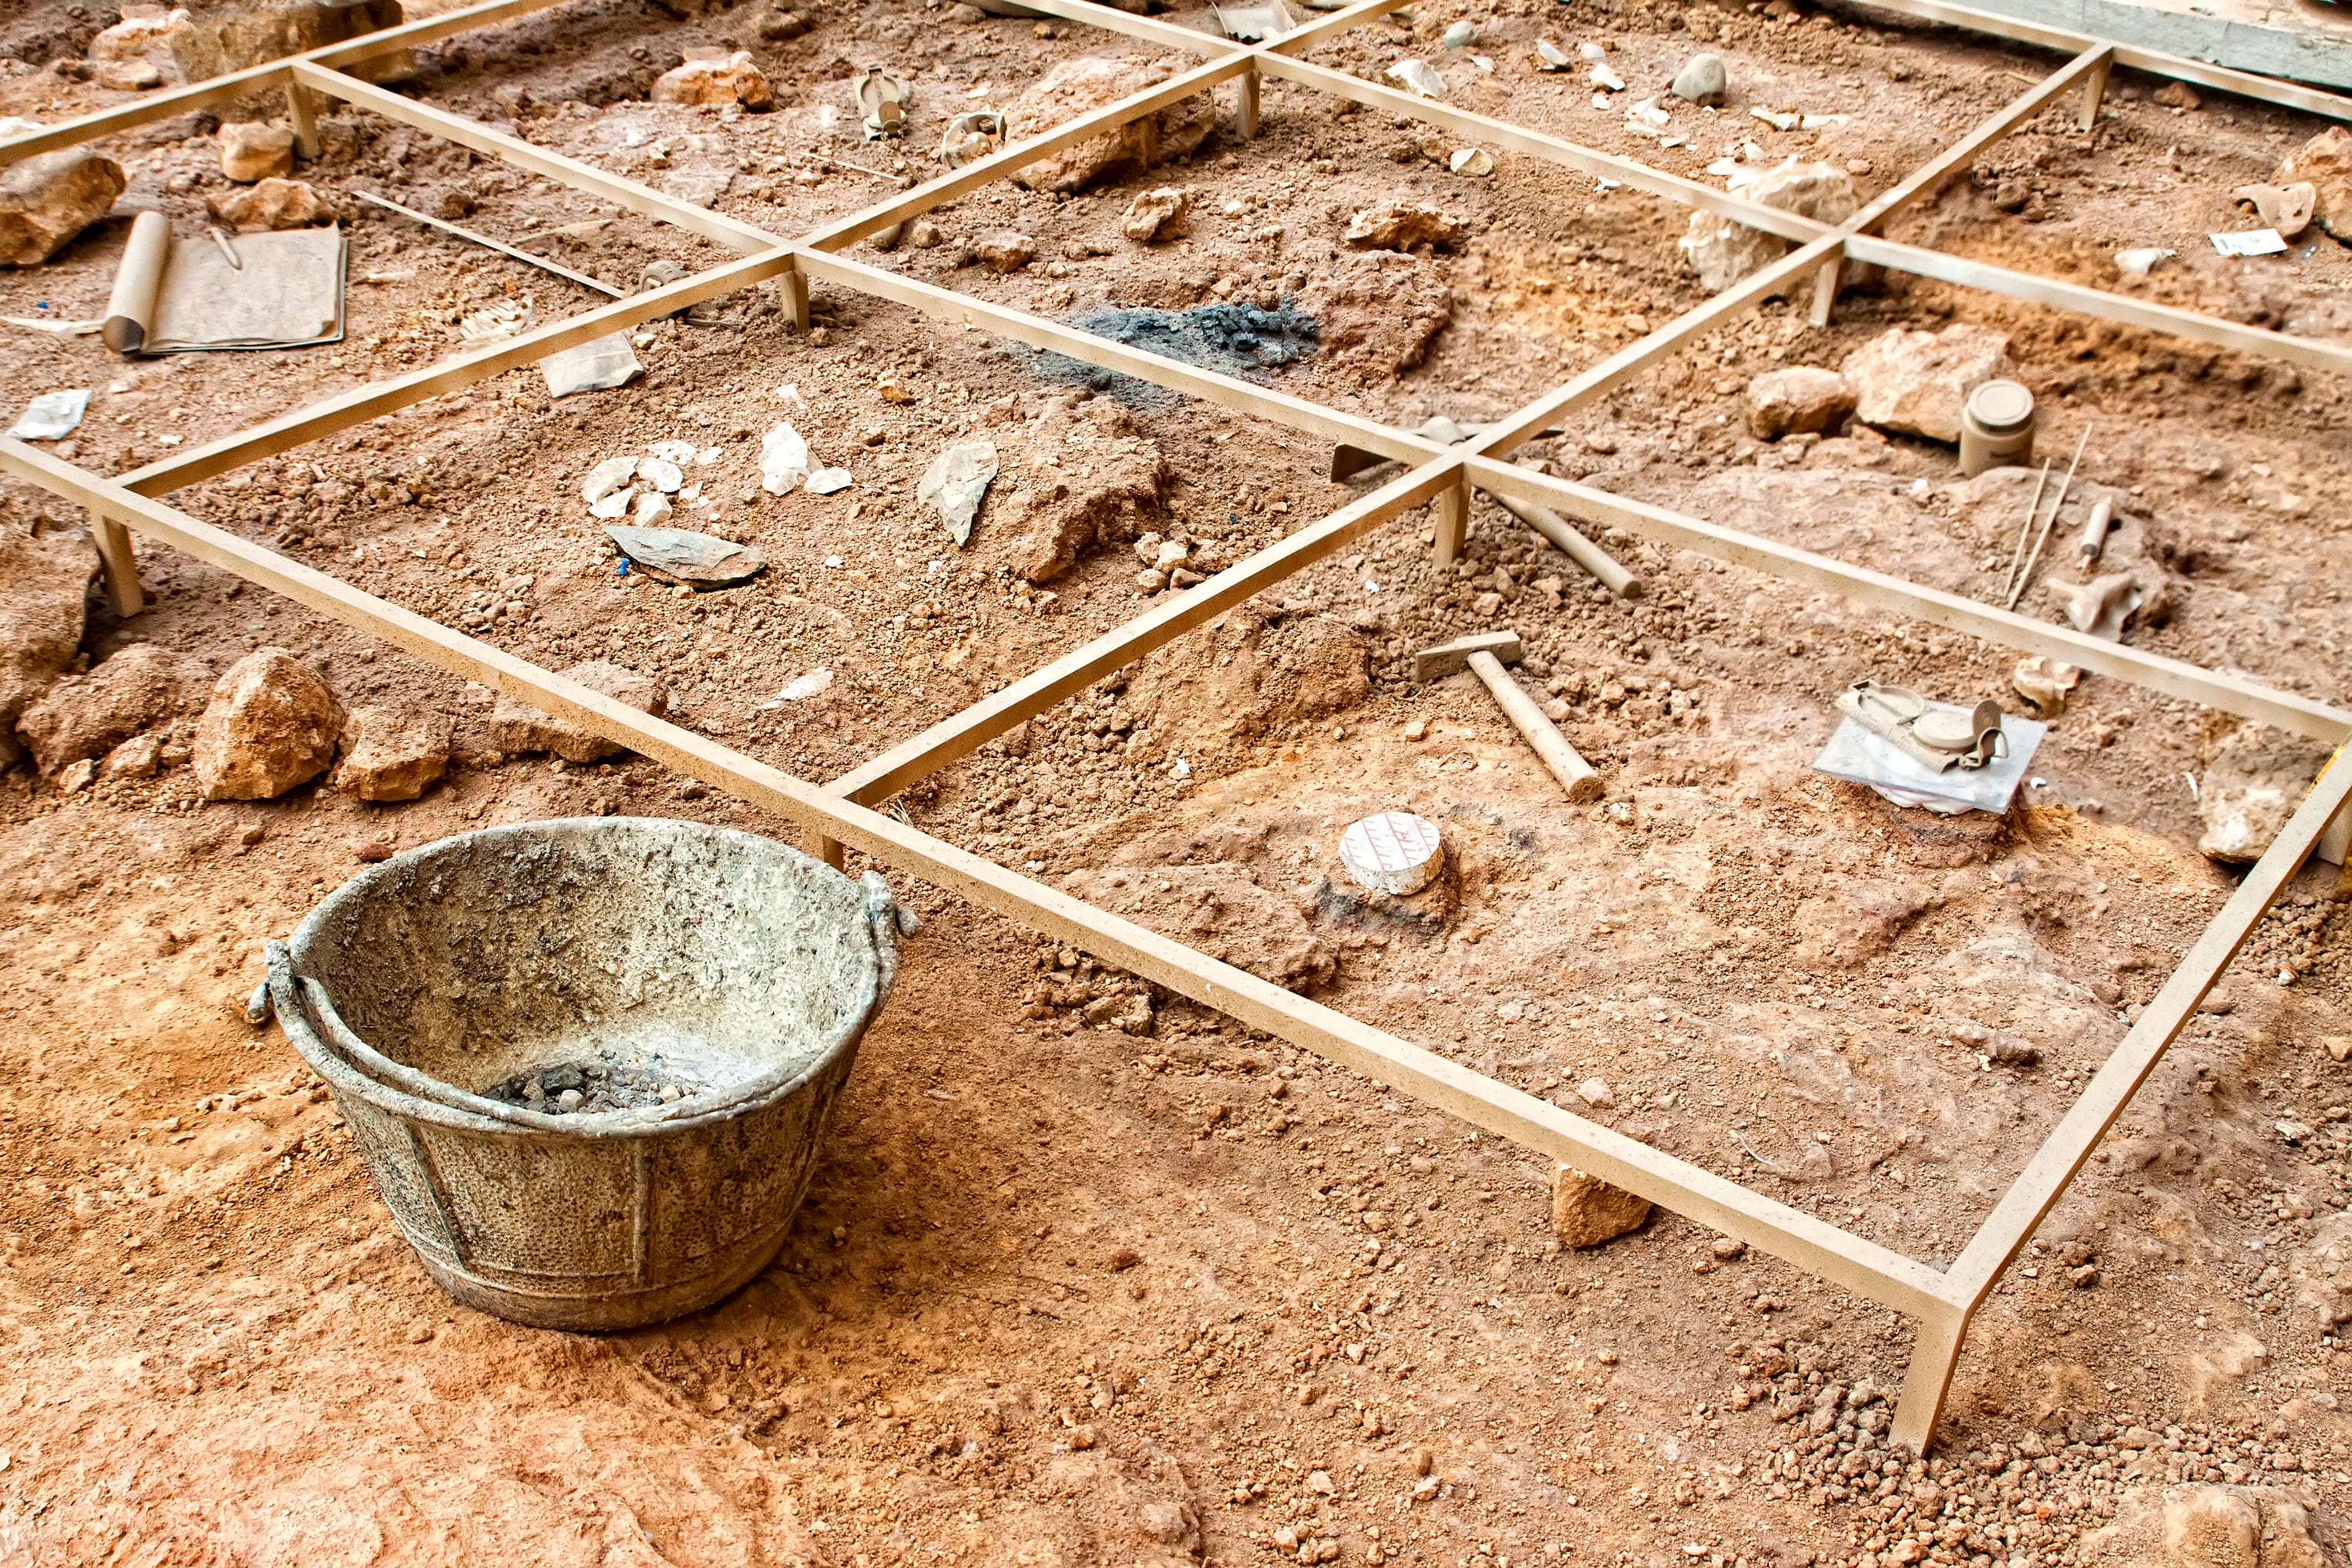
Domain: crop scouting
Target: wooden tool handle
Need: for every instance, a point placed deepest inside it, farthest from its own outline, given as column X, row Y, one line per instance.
column 1575, row 774
column 1597, row 562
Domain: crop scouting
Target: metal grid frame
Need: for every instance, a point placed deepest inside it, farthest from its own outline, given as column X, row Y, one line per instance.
column 842, row 812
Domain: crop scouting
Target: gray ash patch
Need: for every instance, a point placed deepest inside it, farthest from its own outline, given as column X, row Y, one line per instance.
column 635, row 1083
column 1234, row 339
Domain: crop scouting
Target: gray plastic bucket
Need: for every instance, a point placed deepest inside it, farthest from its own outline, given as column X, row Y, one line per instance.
column 743, row 971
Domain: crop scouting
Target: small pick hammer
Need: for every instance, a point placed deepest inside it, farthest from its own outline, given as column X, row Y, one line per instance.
column 1484, row 654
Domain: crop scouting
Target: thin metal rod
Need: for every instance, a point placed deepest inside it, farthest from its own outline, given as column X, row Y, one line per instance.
column 2033, row 558
column 2025, row 531
column 503, row 248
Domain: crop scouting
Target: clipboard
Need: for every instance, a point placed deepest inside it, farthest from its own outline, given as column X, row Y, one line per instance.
column 284, row 290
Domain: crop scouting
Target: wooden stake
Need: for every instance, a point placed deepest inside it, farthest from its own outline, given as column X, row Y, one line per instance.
column 120, row 564
column 2095, row 88
column 1860, row 1265
column 1453, row 524
column 1169, row 619
column 796, row 299
column 1825, row 288
column 302, row 117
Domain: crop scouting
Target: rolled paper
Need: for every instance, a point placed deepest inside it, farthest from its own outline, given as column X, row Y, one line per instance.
column 130, row 308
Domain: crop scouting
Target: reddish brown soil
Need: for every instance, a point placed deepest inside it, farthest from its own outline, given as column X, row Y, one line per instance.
column 1065, row 1294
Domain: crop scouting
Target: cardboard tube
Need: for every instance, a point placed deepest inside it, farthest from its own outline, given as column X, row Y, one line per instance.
column 130, row 308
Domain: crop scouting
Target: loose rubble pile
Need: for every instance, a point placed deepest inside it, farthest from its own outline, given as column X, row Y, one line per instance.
column 611, row 1082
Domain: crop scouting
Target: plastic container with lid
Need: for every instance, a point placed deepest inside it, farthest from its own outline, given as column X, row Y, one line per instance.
column 1996, row 427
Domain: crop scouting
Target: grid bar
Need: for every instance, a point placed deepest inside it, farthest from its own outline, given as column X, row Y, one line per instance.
column 987, row 171
column 2179, row 67
column 2062, row 1154
column 2318, row 354
column 151, row 108
column 614, row 188
column 2111, row 1089
column 454, row 374
column 1107, row 354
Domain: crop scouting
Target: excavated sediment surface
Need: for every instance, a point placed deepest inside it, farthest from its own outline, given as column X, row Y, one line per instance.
column 1091, row 1273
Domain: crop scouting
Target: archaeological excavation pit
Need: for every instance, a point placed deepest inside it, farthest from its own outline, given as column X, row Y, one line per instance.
column 1177, row 658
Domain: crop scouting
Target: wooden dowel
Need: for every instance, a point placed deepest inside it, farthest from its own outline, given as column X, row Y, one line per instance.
column 1598, row 563
column 1575, row 775
column 2174, row 678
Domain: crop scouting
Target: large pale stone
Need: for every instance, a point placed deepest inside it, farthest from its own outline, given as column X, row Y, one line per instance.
column 44, row 605
column 47, row 200
column 1722, row 252
column 2207, row 1526
column 83, row 716
column 273, row 203
column 2325, row 161
column 1703, row 79
column 1109, row 488
column 393, row 754
column 1916, row 382
column 1155, row 215
column 1003, row 250
column 1091, row 81
column 716, row 83
column 1401, row 226
column 251, row 152
column 516, row 726
column 2251, row 787
column 144, row 49
column 1587, row 1211
column 2213, row 1526
column 181, row 45
column 1377, row 311
column 271, row 725
column 1799, row 399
